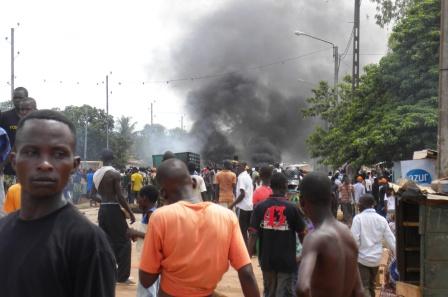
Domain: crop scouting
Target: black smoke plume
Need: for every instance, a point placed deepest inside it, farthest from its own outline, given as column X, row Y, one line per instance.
column 238, row 114
column 254, row 110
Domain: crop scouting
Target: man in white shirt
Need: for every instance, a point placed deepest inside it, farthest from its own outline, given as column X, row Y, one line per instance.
column 370, row 230
column 243, row 203
column 199, row 188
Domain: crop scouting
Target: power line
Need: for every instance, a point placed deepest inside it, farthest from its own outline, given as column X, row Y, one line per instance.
column 214, row 75
column 347, row 47
column 211, row 75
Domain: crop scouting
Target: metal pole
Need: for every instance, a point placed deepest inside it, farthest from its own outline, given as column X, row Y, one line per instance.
column 85, row 141
column 12, row 63
column 107, row 111
column 442, row 143
column 152, row 122
column 355, row 71
column 336, row 71
column 182, row 122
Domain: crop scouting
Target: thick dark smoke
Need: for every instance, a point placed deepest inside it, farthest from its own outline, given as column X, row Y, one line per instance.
column 237, row 114
column 255, row 112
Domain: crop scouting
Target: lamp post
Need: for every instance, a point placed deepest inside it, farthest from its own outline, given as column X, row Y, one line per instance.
column 335, row 55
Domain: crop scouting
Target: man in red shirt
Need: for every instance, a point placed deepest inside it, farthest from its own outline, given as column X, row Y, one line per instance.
column 264, row 191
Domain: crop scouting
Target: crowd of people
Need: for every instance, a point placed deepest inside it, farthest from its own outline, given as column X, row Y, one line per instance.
column 194, row 224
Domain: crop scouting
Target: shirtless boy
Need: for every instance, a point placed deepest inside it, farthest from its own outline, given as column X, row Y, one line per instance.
column 329, row 257
column 110, row 216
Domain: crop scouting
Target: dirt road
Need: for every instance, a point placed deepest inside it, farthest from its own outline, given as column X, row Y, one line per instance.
column 229, row 285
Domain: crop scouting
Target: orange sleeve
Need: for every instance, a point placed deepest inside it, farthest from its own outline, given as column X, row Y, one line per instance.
column 238, row 255
column 152, row 255
column 233, row 178
column 8, row 207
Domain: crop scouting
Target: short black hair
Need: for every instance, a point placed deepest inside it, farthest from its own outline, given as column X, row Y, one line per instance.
column 316, row 188
column 227, row 164
column 367, row 200
column 168, row 155
column 107, row 155
column 265, row 172
column 149, row 192
column 279, row 182
column 18, row 90
column 46, row 114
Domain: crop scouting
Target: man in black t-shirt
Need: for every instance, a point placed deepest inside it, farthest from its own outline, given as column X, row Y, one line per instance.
column 8, row 121
column 47, row 248
column 277, row 222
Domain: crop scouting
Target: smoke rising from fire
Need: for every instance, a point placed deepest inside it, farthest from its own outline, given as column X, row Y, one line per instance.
column 250, row 111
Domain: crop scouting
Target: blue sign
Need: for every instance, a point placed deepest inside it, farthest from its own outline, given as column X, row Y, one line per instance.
column 419, row 176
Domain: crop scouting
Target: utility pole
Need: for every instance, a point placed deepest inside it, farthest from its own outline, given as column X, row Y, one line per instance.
column 336, row 71
column 442, row 139
column 85, row 140
column 12, row 63
column 182, row 122
column 152, row 118
column 356, row 28
column 107, row 111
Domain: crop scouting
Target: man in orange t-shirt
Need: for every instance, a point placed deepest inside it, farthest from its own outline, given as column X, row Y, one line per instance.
column 225, row 183
column 177, row 244
column 12, row 201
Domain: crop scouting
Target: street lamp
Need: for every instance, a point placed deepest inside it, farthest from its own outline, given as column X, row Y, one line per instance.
column 335, row 55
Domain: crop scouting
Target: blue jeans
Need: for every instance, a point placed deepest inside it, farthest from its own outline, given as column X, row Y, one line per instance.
column 149, row 292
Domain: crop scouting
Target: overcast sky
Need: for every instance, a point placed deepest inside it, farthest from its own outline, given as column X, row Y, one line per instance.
column 67, row 48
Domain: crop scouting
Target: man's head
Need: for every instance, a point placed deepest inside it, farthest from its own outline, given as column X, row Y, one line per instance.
column 315, row 191
column 19, row 94
column 227, row 165
column 366, row 201
column 174, row 180
column 168, row 155
column 279, row 184
column 26, row 106
column 242, row 167
column 383, row 180
column 359, row 179
column 265, row 174
column 107, row 156
column 43, row 155
column 147, row 197
column 346, row 180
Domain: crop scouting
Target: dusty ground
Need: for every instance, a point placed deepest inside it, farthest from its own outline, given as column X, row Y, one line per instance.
column 229, row 285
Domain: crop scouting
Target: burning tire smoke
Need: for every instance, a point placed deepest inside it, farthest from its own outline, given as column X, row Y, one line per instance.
column 239, row 115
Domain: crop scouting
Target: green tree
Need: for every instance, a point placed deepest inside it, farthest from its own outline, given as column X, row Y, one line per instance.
column 122, row 141
column 388, row 11
column 96, row 120
column 394, row 110
column 6, row 105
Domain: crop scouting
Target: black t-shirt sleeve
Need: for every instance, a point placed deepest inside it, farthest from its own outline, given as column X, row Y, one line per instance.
column 255, row 220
